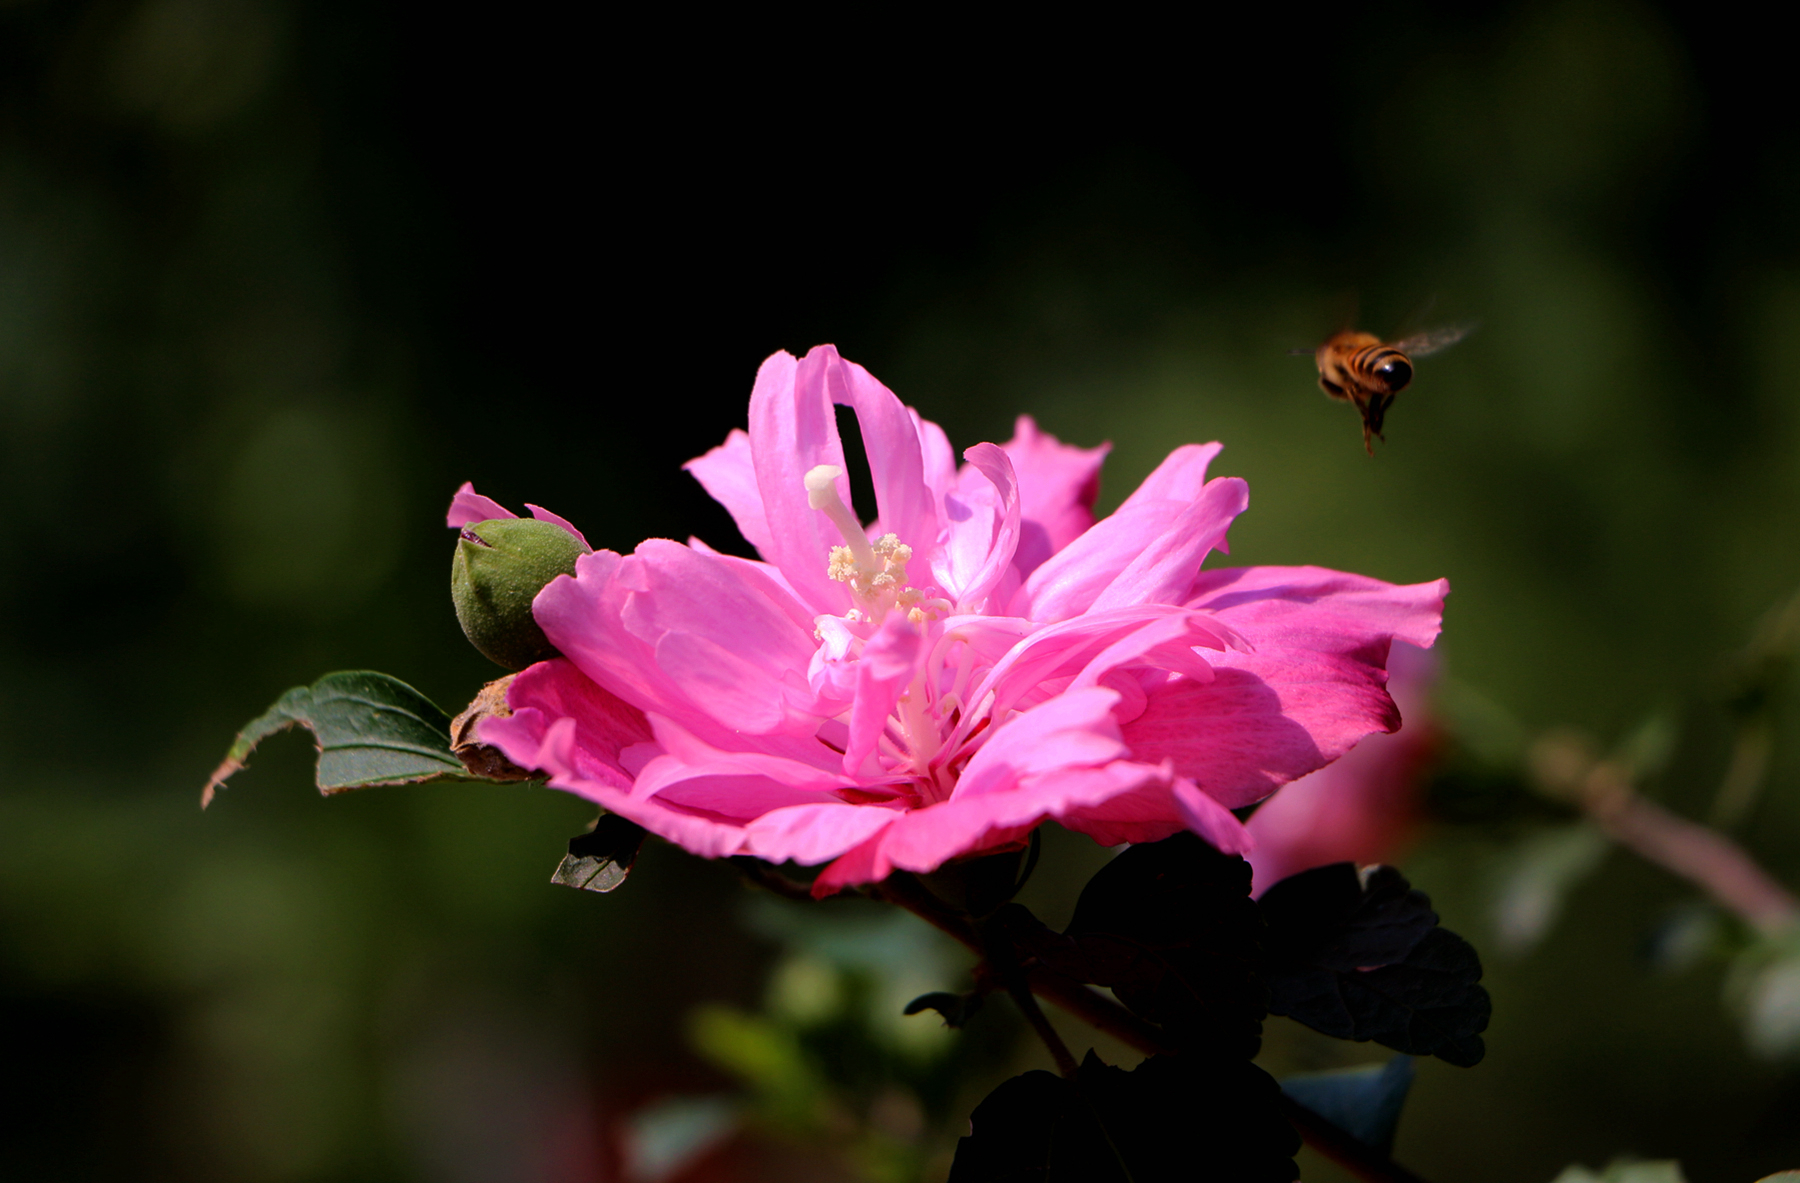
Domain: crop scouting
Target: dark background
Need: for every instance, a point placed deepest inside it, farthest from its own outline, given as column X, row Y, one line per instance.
column 276, row 277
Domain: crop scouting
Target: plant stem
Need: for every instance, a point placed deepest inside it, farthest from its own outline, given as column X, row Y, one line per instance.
column 1020, row 990
column 1365, row 1162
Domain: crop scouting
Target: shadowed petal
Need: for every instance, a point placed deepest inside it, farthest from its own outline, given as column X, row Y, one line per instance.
column 1312, row 687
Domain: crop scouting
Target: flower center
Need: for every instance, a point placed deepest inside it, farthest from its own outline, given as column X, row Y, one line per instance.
column 875, row 572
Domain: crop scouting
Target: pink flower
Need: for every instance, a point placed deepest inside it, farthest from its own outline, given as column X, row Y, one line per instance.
column 1363, row 808
column 982, row 658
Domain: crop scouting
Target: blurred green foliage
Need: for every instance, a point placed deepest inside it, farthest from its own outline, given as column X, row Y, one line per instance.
column 276, row 275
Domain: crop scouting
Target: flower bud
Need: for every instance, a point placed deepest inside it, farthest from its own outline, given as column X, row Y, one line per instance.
column 499, row 568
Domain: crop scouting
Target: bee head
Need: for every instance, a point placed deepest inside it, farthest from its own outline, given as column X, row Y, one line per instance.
column 1395, row 373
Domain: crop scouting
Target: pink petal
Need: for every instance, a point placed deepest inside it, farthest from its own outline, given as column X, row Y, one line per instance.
column 1155, row 810
column 1057, row 487
column 1311, row 688
column 1055, row 761
column 1163, row 571
column 890, row 436
column 938, row 456
column 1319, row 607
column 582, row 618
column 468, row 506
column 544, row 515
column 1167, row 641
column 857, row 865
column 1362, row 808
column 734, row 643
column 729, row 475
column 1070, row 730
column 1180, row 477
column 715, row 641
column 980, row 533
column 811, row 834
column 551, row 690
column 792, row 431
column 1147, row 813
column 1212, row 821
column 1149, row 551
column 581, row 752
column 1064, row 649
column 733, row 785
column 925, row 839
column 888, row 664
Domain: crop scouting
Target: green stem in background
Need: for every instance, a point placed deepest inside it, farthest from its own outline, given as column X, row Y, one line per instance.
column 1764, row 670
column 1703, row 856
column 1565, row 768
column 1745, row 775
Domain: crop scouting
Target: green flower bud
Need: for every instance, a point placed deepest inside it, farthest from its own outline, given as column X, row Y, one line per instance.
column 499, row 568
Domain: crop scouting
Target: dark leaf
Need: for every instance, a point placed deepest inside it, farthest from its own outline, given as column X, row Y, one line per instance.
column 957, row 1009
column 1190, row 1118
column 1362, row 957
column 1333, row 916
column 1363, row 1102
column 600, row 859
column 1170, row 927
column 1028, row 1127
column 370, row 729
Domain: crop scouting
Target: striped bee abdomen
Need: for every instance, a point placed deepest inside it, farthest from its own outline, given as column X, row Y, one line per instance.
column 1382, row 367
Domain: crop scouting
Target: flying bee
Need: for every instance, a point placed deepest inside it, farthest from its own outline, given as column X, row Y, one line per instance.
column 1360, row 368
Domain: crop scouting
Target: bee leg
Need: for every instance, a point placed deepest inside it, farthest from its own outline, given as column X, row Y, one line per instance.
column 1371, row 420
column 1333, row 390
column 1376, row 412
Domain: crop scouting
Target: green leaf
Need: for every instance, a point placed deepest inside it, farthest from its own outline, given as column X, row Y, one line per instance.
column 1362, row 957
column 1185, row 1118
column 788, row 1089
column 370, row 729
column 1363, row 1102
column 668, row 1136
column 600, row 859
column 1537, row 875
column 1764, row 982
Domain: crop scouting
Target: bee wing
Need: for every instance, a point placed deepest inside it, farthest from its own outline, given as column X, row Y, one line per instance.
column 1425, row 344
